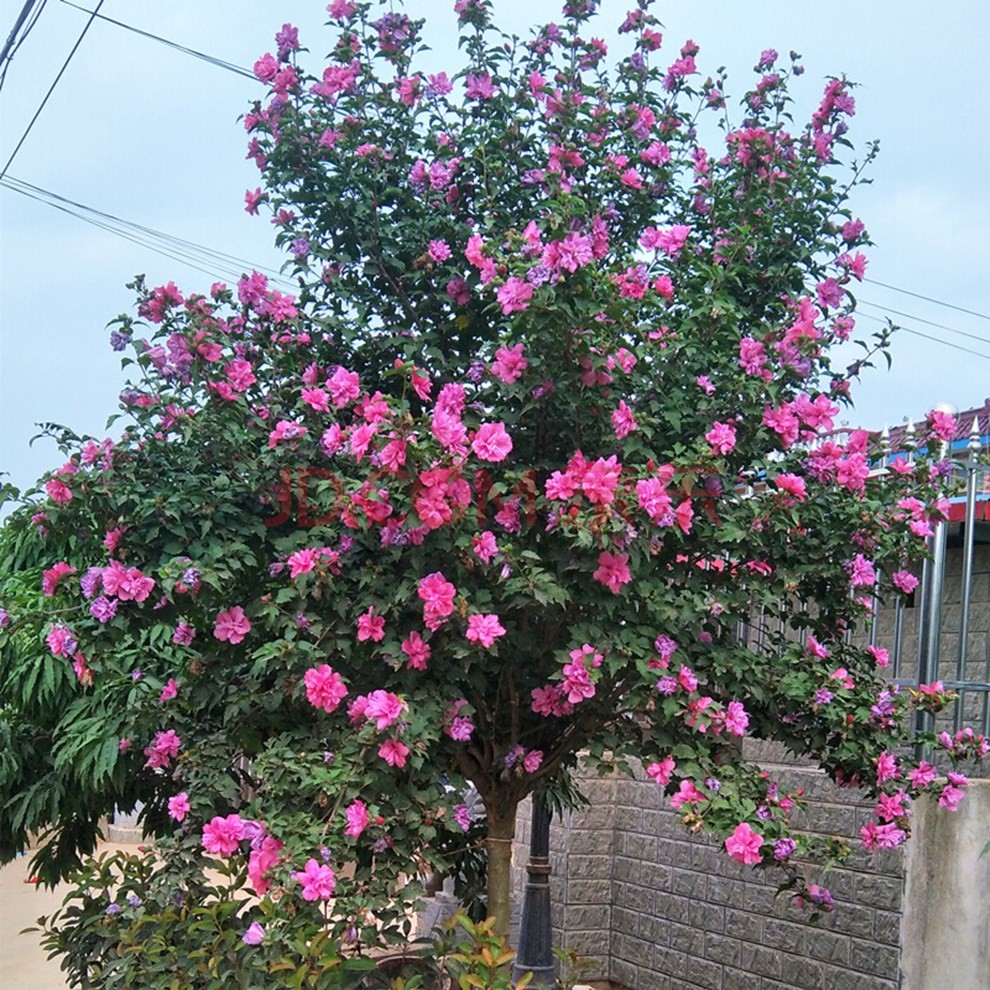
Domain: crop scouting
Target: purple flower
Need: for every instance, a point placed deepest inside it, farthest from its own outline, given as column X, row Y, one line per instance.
column 783, row 848
column 113, row 909
column 90, row 581
column 103, row 609
column 823, row 696
column 119, row 339
column 539, row 274
column 255, row 934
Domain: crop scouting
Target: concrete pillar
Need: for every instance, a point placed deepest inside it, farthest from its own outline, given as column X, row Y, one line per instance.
column 945, row 929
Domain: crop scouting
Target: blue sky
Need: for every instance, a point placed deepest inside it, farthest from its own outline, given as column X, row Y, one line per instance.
column 149, row 134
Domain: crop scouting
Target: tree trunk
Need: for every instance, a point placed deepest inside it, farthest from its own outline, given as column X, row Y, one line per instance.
column 501, row 829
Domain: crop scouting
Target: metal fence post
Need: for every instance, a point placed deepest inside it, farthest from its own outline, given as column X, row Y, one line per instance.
column 535, row 933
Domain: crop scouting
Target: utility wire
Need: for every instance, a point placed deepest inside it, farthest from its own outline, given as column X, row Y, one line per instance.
column 204, row 259
column 937, row 340
column 13, row 42
column 918, row 295
column 930, row 323
column 51, row 89
column 213, row 60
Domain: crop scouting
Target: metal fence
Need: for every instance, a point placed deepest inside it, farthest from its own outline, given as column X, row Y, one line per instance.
column 952, row 631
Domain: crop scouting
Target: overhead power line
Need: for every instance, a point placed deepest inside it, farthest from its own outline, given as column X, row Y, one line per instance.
column 212, row 59
column 927, row 336
column 51, row 89
column 930, row 323
column 918, row 295
column 216, row 264
column 14, row 41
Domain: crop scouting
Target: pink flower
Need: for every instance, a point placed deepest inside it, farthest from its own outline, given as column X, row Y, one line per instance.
column 509, row 364
column 904, row 581
column 439, row 251
column 265, row 856
column 887, row 768
column 484, row 629
column 574, row 251
column 462, row 815
column 613, row 571
column 325, row 688
column 265, row 68
column 600, row 480
column 240, row 374
column 623, row 421
column 661, row 771
column 533, row 760
column 418, row 651
column 736, row 719
column 943, row 424
column 437, row 594
column 316, row 398
column 484, row 546
column 51, row 577
column 687, row 794
column 950, row 797
column 163, row 749
column 302, row 562
column 356, row 814
column 922, row 775
column 514, row 296
column 744, row 845
column 184, row 634
column 232, row 626
column 876, row 836
column 178, row 806
column 793, row 485
column 394, row 752
column 371, row 626
column 480, row 87
column 318, row 881
column 880, row 655
column 722, row 437
column 252, row 199
column 684, row 515
column 861, row 572
column 383, row 708
column 255, row 934
column 221, row 836
column 491, row 442
column 344, row 387
column 170, row 690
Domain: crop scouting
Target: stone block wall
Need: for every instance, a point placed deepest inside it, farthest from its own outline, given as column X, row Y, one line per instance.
column 659, row 909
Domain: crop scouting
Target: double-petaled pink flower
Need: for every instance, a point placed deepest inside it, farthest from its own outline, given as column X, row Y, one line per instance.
column 232, row 626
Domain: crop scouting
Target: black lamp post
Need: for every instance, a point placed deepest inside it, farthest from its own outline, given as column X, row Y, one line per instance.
column 535, row 937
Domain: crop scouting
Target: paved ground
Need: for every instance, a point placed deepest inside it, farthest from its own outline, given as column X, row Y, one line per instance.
column 23, row 965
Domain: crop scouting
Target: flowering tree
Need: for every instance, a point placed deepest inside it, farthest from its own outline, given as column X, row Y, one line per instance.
column 545, row 427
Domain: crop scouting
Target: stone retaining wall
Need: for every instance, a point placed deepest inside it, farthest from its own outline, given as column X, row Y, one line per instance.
column 660, row 909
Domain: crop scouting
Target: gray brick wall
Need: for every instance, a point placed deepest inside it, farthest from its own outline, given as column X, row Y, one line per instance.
column 659, row 909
